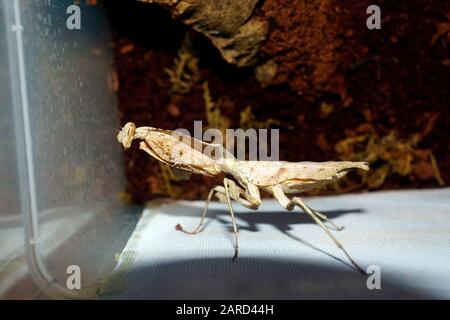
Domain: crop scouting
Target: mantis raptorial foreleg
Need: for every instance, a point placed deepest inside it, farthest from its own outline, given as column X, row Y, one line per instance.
column 307, row 210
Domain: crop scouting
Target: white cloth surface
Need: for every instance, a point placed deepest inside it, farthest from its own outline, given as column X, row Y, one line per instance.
column 285, row 255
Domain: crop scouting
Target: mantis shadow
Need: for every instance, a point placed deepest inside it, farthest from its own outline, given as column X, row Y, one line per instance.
column 249, row 220
column 282, row 220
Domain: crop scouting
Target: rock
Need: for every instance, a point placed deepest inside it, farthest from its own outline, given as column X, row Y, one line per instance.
column 243, row 47
column 227, row 23
column 266, row 72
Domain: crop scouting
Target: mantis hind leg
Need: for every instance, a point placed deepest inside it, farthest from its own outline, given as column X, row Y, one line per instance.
column 310, row 212
column 326, row 219
column 287, row 203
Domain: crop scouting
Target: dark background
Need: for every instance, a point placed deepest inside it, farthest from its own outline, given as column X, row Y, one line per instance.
column 336, row 83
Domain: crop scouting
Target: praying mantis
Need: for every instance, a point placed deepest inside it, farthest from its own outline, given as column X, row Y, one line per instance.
column 284, row 181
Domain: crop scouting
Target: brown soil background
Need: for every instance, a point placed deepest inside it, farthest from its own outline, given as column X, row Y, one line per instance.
column 391, row 79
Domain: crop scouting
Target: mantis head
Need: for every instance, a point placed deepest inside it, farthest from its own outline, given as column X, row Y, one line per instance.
column 126, row 135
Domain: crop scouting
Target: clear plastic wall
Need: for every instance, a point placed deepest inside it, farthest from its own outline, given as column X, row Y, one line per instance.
column 61, row 168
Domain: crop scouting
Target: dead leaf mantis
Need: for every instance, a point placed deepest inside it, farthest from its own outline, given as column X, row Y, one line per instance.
column 282, row 180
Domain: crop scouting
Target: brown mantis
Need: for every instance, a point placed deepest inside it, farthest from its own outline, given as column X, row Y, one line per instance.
column 282, row 180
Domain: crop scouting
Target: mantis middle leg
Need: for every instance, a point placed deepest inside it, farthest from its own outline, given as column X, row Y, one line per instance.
column 225, row 193
column 233, row 219
column 221, row 193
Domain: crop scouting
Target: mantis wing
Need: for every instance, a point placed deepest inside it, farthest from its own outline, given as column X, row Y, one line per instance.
column 267, row 173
